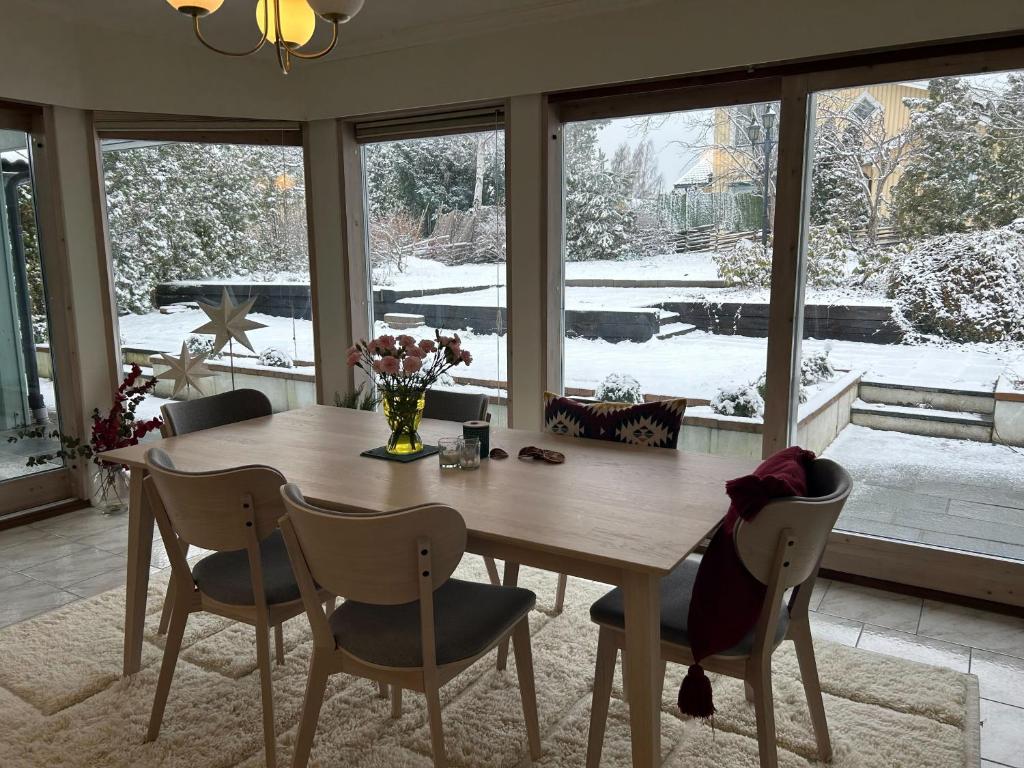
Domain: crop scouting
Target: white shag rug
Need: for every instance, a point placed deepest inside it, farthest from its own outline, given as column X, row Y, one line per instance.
column 64, row 705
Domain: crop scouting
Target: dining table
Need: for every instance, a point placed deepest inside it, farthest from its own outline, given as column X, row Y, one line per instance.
column 616, row 513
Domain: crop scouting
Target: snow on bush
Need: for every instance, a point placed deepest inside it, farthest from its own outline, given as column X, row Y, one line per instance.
column 964, row 287
column 619, row 388
column 749, row 263
column 200, row 345
column 275, row 358
column 816, row 368
column 742, row 400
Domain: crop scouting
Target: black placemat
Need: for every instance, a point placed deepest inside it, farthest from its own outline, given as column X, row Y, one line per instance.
column 404, row 458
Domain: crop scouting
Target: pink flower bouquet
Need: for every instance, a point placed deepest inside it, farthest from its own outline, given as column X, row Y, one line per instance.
column 404, row 370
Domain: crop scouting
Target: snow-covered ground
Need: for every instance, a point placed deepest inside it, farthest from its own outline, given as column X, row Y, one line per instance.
column 694, row 365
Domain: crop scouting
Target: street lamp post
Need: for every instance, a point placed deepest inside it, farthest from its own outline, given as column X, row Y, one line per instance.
column 754, row 134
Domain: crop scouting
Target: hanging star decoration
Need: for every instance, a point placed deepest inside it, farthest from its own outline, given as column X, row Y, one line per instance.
column 186, row 370
column 228, row 322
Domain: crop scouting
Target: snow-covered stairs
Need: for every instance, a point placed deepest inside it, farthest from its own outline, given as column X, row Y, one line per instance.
column 671, row 325
column 961, row 414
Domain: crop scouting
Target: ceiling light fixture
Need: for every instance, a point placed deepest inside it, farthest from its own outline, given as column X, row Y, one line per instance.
column 286, row 24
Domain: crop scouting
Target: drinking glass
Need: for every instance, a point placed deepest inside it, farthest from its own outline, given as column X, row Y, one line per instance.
column 470, row 453
column 450, row 452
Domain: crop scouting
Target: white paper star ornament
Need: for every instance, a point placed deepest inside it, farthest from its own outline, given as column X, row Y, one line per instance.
column 228, row 321
column 185, row 370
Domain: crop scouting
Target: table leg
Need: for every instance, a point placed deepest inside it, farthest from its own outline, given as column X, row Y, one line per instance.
column 140, row 549
column 642, row 659
column 511, row 580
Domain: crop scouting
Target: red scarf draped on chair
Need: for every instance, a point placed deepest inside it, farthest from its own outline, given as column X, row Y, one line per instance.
column 726, row 600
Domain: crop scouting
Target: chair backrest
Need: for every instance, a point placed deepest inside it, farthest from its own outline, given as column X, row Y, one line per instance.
column 375, row 557
column 182, row 417
column 217, row 510
column 808, row 520
column 455, row 406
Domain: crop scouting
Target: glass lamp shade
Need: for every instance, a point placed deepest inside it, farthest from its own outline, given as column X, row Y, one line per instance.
column 196, row 7
column 337, row 10
column 297, row 21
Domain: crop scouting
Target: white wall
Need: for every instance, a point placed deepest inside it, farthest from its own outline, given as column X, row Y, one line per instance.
column 47, row 59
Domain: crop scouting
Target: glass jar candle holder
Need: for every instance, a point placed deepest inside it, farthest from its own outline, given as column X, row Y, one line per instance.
column 470, row 453
column 449, row 452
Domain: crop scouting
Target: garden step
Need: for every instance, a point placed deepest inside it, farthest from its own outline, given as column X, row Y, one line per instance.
column 675, row 329
column 895, row 393
column 923, row 420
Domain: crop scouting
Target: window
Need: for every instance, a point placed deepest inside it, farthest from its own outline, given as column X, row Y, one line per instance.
column 435, row 209
column 189, row 222
column 913, row 350
column 668, row 230
column 28, row 400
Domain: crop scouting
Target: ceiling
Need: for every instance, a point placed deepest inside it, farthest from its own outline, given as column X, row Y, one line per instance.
column 381, row 25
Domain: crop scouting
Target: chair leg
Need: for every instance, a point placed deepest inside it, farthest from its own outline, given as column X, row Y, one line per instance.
column 279, row 644
column 396, row 702
column 604, row 674
column 492, row 571
column 267, row 692
column 801, row 632
column 527, row 691
column 315, row 686
column 511, row 580
column 433, row 695
column 748, row 691
column 172, row 646
column 560, row 593
column 165, row 614
column 764, row 713
column 382, row 690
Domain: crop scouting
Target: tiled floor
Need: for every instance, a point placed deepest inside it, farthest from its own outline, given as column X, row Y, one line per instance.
column 57, row 561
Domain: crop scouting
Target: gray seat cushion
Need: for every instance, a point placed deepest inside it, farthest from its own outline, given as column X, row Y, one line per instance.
column 676, row 589
column 224, row 576
column 468, row 617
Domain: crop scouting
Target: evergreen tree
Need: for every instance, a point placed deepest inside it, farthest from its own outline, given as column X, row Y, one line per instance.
column 837, row 189
column 941, row 188
column 1002, row 182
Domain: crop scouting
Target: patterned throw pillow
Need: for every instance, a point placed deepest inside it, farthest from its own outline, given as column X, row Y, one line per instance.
column 656, row 424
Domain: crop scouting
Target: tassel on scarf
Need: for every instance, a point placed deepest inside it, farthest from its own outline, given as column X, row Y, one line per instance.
column 695, row 697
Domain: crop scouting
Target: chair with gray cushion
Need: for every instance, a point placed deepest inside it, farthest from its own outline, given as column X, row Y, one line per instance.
column 184, row 416
column 247, row 578
column 404, row 621
column 455, row 406
column 781, row 547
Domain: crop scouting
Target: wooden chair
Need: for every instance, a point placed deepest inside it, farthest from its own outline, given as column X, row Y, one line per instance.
column 404, row 621
column 781, row 547
column 184, row 416
column 461, row 407
column 248, row 578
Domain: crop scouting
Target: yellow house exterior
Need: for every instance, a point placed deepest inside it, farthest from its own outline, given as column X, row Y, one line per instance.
column 728, row 168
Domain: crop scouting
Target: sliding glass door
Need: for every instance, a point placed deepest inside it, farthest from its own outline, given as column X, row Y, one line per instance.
column 913, row 322
column 29, row 397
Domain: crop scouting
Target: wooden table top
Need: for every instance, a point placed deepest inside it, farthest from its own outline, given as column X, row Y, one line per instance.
column 641, row 509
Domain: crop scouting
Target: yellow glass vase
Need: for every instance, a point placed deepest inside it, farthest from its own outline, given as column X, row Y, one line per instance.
column 403, row 412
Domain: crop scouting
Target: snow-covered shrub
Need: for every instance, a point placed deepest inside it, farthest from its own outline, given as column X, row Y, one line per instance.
column 201, row 345
column 742, row 400
column 747, row 263
column 275, row 358
column 828, row 251
column 619, row 388
column 816, row 368
column 476, row 236
column 40, row 329
column 761, row 385
column 964, row 287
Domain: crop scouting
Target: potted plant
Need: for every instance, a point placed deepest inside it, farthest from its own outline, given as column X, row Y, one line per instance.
column 404, row 369
column 118, row 429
